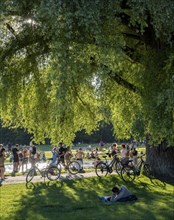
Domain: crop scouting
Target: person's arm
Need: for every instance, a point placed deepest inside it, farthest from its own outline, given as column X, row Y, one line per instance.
column 113, row 197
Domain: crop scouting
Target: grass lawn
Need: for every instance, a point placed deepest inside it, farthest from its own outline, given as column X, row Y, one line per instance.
column 77, row 200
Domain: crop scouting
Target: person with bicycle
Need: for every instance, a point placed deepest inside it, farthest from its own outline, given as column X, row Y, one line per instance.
column 134, row 154
column 124, row 155
column 114, row 149
column 61, row 153
column 68, row 155
column 54, row 155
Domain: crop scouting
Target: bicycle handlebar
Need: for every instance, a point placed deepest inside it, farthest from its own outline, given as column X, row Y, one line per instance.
column 142, row 156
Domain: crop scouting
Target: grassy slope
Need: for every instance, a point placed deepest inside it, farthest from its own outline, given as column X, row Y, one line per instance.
column 77, row 199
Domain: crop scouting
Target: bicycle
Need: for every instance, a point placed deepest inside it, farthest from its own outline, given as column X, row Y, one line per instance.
column 103, row 168
column 51, row 171
column 129, row 172
column 73, row 167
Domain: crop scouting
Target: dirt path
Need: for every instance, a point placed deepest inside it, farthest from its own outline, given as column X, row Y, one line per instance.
column 22, row 179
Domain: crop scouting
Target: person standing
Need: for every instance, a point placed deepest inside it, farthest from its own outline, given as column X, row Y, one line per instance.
column 114, row 149
column 134, row 156
column 33, row 155
column 15, row 151
column 26, row 154
column 61, row 153
column 124, row 155
column 79, row 156
column 68, row 155
column 21, row 157
column 2, row 160
column 54, row 155
column 101, row 145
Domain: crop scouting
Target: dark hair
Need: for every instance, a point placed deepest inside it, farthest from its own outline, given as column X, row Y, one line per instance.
column 115, row 189
column 1, row 151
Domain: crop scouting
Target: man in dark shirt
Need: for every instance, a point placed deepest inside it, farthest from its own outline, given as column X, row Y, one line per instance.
column 61, row 153
column 15, row 151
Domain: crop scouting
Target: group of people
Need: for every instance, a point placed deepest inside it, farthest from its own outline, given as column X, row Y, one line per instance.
column 20, row 156
column 126, row 152
column 63, row 154
column 122, row 194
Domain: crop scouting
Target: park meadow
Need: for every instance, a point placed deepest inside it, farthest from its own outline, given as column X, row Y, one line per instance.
column 77, row 199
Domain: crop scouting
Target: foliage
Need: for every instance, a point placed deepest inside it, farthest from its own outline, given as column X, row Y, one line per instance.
column 67, row 65
column 77, row 199
column 12, row 137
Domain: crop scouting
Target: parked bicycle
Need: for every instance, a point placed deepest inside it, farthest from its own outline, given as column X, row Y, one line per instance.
column 103, row 168
column 51, row 171
column 73, row 167
column 129, row 171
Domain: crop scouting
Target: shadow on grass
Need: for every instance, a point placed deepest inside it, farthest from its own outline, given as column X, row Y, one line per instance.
column 76, row 199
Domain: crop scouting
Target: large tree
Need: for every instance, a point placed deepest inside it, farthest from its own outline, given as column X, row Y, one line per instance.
column 67, row 65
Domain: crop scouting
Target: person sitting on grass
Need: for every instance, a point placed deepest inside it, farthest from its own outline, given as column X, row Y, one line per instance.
column 121, row 194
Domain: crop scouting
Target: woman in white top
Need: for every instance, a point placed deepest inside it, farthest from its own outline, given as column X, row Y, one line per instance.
column 123, row 151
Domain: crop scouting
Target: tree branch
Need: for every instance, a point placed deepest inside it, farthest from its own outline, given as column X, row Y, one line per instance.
column 9, row 27
column 122, row 82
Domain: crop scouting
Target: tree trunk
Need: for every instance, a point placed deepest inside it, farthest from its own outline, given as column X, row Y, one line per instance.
column 161, row 160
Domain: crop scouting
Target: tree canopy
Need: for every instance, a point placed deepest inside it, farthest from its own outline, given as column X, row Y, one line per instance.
column 68, row 65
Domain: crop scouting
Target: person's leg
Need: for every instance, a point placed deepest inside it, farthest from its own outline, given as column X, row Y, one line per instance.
column 26, row 163
column 22, row 164
column 19, row 166
column 105, row 198
column 80, row 163
column 15, row 166
column 2, row 175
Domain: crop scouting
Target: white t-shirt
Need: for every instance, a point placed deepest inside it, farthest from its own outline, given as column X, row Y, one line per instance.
column 123, row 153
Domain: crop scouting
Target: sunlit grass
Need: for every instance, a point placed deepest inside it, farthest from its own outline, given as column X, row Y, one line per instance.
column 77, row 199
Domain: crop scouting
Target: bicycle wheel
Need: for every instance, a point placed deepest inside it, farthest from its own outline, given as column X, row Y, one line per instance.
column 53, row 173
column 30, row 175
column 74, row 167
column 101, row 169
column 128, row 173
column 118, row 167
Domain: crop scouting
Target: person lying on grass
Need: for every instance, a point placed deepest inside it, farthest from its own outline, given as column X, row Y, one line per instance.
column 121, row 194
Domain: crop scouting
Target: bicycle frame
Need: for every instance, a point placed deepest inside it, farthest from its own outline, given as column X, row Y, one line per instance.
column 41, row 171
column 111, row 164
column 138, row 167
